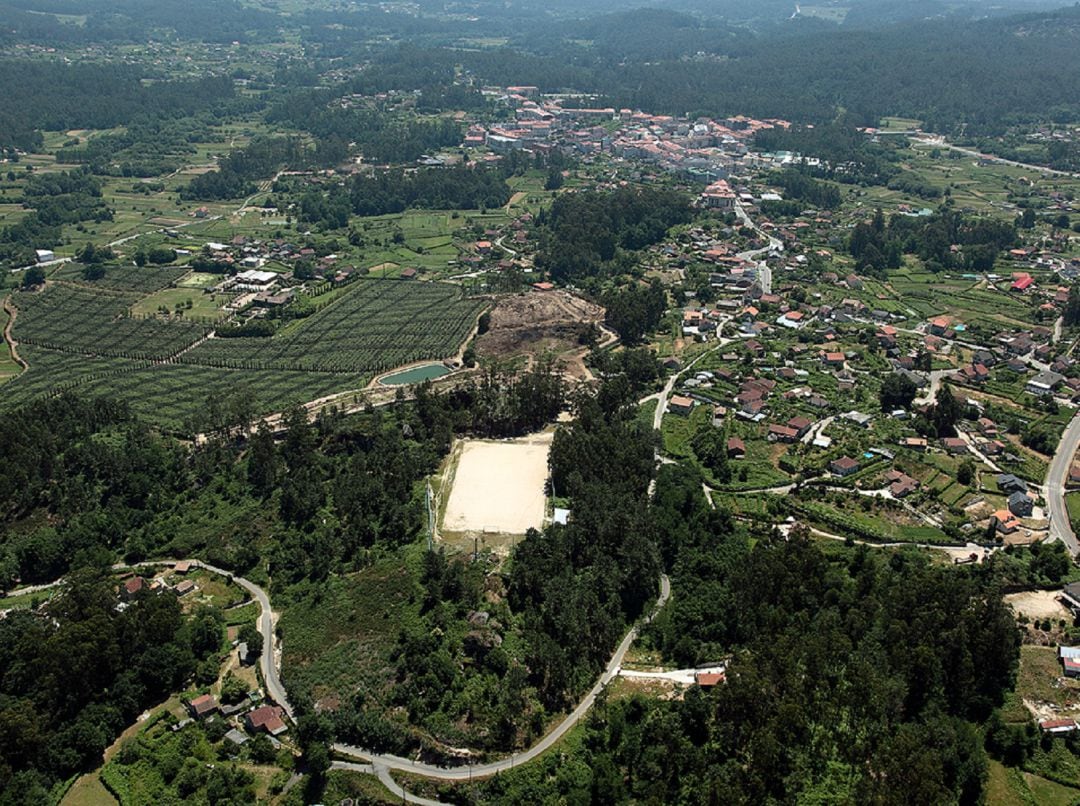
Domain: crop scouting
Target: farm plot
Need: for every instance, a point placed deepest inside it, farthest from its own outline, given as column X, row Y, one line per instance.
column 96, row 322
column 141, row 279
column 376, row 325
column 173, row 396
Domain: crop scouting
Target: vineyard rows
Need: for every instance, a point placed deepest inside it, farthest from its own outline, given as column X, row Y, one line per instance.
column 79, row 339
column 376, row 325
column 141, row 279
column 88, row 321
column 170, row 395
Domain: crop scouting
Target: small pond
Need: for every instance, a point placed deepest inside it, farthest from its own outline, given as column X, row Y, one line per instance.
column 425, row 372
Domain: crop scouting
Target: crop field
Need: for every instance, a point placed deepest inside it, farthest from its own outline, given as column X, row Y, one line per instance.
column 96, row 322
column 141, row 279
column 77, row 338
column 374, row 326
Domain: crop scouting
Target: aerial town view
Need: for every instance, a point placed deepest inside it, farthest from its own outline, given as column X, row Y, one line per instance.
column 517, row 403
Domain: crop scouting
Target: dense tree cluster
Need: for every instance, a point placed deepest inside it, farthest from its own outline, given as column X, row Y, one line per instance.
column 147, row 146
column 240, row 169
column 80, row 670
column 395, row 191
column 380, row 137
column 584, row 233
column 878, row 245
column 851, row 679
column 58, row 96
column 798, row 185
column 634, row 310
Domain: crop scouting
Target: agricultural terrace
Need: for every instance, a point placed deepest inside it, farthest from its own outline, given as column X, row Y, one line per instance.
column 83, row 339
column 498, row 487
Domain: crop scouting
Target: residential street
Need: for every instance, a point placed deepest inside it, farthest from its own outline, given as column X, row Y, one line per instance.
column 1056, row 477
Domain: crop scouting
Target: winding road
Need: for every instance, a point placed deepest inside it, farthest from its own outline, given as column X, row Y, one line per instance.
column 775, row 244
column 466, row 773
column 381, row 765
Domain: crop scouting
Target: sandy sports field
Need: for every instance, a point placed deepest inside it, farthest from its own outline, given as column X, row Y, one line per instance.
column 498, row 486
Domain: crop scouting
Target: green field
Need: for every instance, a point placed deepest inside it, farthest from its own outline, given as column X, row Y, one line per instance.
column 81, row 338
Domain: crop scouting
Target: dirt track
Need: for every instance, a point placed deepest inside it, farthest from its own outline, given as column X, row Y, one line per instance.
column 13, row 345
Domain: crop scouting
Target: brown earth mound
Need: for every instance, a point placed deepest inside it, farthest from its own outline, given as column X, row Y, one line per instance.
column 536, row 322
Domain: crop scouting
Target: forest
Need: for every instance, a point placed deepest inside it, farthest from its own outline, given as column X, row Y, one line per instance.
column 53, row 95
column 589, row 235
column 878, row 245
column 853, row 677
column 79, row 672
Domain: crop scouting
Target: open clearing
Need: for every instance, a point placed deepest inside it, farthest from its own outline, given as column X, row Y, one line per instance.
column 499, row 486
column 1038, row 605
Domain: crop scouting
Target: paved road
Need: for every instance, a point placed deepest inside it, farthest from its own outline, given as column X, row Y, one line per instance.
column 936, row 377
column 1054, row 487
column 495, row 767
column 269, row 660
column 764, row 272
column 940, row 142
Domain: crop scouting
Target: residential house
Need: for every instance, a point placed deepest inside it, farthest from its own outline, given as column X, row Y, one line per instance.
column 844, row 466
column 736, row 448
column 1044, row 383
column 204, row 706
column 131, row 587
column 954, row 445
column 1021, row 504
column 1058, row 727
column 708, row 679
column 939, row 325
column 266, row 718
column 858, row 418
column 782, row 433
column 1070, row 596
column 800, row 425
column 1007, row 523
column 900, row 484
column 1009, row 483
column 680, row 404
column 1070, row 659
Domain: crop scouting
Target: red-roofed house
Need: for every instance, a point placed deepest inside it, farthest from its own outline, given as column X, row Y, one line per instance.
column 266, row 718
column 1023, row 282
column 680, row 405
column 203, row 706
column 844, row 466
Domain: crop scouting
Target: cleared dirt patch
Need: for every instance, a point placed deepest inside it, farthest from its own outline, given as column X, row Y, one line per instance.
column 1038, row 605
column 498, row 487
column 533, row 323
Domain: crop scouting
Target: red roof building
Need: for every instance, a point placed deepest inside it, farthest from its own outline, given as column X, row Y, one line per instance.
column 266, row 718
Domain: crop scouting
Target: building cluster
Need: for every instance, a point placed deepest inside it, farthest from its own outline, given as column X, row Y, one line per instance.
column 699, row 149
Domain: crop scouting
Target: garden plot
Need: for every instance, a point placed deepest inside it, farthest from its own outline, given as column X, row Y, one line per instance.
column 498, row 486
